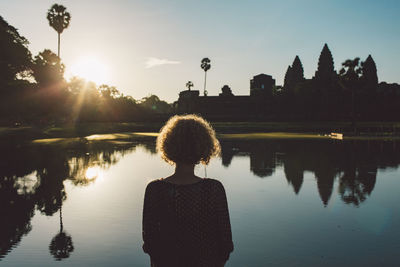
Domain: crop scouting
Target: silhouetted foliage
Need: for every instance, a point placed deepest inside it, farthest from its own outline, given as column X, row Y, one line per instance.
column 205, row 65
column 15, row 57
column 189, row 85
column 226, row 91
column 48, row 69
column 153, row 103
column 59, row 20
column 35, row 92
column 350, row 80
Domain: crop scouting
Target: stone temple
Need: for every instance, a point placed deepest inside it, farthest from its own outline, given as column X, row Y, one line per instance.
column 229, row 106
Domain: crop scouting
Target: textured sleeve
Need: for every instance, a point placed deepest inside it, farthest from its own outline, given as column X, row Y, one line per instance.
column 223, row 222
column 150, row 223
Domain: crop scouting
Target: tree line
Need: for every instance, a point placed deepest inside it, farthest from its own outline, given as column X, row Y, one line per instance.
column 33, row 90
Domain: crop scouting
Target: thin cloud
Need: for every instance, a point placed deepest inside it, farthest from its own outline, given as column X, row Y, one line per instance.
column 154, row 62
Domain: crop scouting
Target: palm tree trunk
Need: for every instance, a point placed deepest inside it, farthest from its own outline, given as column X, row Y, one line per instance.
column 58, row 45
column 205, row 81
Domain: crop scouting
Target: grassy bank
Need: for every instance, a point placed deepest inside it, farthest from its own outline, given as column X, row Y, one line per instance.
column 132, row 137
column 86, row 129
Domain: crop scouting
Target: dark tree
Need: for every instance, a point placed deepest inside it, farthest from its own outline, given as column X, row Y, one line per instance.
column 189, row 85
column 326, row 72
column 15, row 57
column 350, row 81
column 350, row 73
column 109, row 92
column 226, row 91
column 156, row 105
column 59, row 20
column 205, row 65
column 47, row 68
column 50, row 96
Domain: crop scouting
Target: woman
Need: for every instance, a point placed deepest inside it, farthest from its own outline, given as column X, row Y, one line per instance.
column 185, row 217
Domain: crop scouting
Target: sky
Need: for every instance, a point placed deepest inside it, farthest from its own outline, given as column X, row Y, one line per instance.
column 155, row 46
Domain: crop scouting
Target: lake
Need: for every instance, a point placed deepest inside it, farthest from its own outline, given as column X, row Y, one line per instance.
column 292, row 202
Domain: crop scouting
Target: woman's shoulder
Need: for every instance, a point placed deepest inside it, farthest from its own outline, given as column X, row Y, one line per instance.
column 161, row 182
column 154, row 184
column 214, row 183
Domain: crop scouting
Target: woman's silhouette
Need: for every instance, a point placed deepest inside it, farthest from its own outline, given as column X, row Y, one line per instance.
column 185, row 217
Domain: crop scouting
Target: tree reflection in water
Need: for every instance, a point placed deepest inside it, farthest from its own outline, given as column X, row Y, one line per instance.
column 16, row 211
column 61, row 245
column 32, row 177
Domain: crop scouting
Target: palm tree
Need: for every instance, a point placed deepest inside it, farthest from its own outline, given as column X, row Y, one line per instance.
column 349, row 80
column 59, row 20
column 189, row 85
column 205, row 65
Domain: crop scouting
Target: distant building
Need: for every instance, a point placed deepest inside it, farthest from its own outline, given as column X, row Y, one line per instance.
column 226, row 91
column 228, row 106
column 261, row 84
column 187, row 100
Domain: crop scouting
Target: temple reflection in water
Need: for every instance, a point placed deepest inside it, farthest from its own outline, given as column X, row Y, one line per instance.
column 354, row 163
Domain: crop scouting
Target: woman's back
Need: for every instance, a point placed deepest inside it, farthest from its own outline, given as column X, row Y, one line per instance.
column 186, row 225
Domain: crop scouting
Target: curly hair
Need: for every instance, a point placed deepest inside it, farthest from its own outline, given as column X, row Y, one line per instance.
column 187, row 139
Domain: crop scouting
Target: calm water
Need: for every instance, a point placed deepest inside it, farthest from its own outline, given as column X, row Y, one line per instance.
column 291, row 202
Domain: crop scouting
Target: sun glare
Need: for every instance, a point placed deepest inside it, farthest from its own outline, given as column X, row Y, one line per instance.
column 91, row 69
column 93, row 173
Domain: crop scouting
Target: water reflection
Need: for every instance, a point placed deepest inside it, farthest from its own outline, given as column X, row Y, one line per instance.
column 32, row 178
column 354, row 163
column 61, row 245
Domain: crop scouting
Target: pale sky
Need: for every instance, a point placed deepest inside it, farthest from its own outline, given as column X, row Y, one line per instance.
column 155, row 46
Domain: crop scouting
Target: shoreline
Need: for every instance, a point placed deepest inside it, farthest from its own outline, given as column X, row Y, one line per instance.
column 224, row 130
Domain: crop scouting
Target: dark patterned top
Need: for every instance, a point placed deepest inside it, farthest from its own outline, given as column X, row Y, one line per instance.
column 186, row 225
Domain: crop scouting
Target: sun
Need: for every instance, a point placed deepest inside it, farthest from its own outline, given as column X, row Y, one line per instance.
column 93, row 173
column 91, row 69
